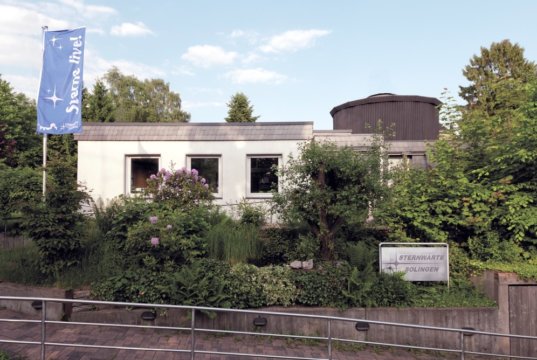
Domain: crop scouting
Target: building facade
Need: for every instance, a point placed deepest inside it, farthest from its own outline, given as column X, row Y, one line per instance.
column 237, row 159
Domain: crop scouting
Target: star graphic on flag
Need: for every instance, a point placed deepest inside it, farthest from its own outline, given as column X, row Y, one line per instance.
column 54, row 98
column 53, row 40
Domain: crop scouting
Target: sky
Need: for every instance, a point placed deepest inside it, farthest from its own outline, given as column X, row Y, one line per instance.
column 294, row 59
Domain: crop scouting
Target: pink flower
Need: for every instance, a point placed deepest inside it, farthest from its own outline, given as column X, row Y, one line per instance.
column 153, row 219
column 194, row 172
column 168, row 227
column 155, row 241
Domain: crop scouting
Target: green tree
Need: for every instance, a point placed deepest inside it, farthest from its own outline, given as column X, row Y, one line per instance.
column 20, row 144
column 497, row 77
column 99, row 106
column 482, row 191
column 500, row 90
column 151, row 100
column 328, row 187
column 56, row 224
column 240, row 110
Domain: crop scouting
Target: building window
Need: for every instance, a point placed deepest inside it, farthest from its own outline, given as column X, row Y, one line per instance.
column 139, row 169
column 262, row 176
column 209, row 168
column 399, row 161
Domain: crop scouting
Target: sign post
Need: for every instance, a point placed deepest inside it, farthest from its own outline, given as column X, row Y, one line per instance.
column 418, row 261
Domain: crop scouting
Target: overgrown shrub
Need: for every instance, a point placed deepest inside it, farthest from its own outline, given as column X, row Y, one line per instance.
column 202, row 283
column 168, row 236
column 278, row 244
column 323, row 286
column 251, row 214
column 253, row 286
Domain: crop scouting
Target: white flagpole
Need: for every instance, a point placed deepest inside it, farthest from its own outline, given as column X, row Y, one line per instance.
column 43, row 29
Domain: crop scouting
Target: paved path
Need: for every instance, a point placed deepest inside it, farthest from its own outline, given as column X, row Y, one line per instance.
column 168, row 339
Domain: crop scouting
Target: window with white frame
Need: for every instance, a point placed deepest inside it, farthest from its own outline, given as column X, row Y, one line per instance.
column 210, row 168
column 139, row 169
column 262, row 177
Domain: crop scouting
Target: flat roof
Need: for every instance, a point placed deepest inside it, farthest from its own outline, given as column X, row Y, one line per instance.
column 125, row 131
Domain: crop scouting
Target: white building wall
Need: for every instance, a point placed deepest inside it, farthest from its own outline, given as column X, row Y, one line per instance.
column 102, row 164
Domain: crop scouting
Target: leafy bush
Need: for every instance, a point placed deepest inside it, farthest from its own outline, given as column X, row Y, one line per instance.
column 137, row 285
column 168, row 236
column 20, row 189
column 278, row 244
column 254, row 287
column 202, row 283
column 245, row 288
column 307, row 248
column 233, row 242
column 251, row 214
column 392, row 290
column 323, row 286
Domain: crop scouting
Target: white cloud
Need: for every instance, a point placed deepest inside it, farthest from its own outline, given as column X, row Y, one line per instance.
column 257, row 75
column 95, row 67
column 97, row 31
column 208, row 55
column 251, row 36
column 28, row 85
column 182, row 70
column 131, row 29
column 89, row 11
column 19, row 20
column 293, row 40
column 250, row 58
column 20, row 51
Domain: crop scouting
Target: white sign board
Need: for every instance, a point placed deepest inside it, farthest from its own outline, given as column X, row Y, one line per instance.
column 429, row 263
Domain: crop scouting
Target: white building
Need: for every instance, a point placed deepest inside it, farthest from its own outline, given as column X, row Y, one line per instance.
column 235, row 158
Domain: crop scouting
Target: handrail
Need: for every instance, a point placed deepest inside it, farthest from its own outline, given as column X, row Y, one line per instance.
column 329, row 338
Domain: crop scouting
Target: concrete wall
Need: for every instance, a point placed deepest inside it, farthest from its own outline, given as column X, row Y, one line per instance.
column 102, row 164
column 483, row 319
column 55, row 311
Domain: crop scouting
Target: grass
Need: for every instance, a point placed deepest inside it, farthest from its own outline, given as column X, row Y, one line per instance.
column 234, row 242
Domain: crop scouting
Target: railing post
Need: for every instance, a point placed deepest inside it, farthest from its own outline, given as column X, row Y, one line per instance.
column 193, row 335
column 329, row 339
column 43, row 327
column 462, row 345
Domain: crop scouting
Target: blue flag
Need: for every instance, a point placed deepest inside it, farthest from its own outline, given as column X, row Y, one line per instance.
column 59, row 103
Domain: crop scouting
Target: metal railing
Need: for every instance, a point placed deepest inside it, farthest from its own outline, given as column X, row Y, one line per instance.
column 359, row 324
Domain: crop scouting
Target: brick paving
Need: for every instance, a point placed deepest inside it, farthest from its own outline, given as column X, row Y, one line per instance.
column 173, row 340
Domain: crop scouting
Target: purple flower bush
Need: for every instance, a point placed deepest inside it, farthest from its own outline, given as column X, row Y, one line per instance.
column 178, row 188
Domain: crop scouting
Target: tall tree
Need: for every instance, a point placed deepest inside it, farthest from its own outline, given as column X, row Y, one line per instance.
column 497, row 77
column 240, row 110
column 500, row 89
column 482, row 192
column 99, row 106
column 327, row 188
column 151, row 100
column 20, row 144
